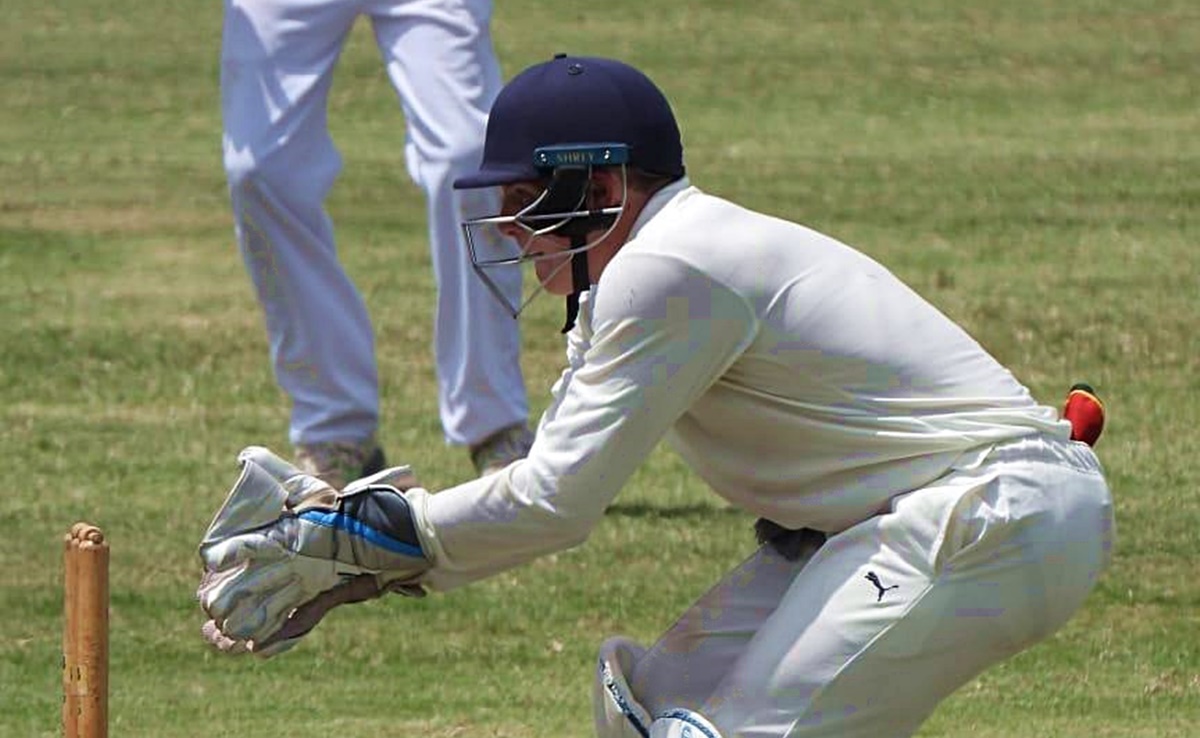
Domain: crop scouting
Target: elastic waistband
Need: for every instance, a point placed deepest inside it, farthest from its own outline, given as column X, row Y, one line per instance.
column 1052, row 450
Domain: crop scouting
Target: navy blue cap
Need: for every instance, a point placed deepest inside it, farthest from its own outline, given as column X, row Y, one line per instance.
column 577, row 100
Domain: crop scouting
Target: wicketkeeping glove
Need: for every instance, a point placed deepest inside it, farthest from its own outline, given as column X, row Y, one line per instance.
column 285, row 548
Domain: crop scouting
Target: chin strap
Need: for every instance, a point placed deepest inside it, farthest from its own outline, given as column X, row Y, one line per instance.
column 580, row 281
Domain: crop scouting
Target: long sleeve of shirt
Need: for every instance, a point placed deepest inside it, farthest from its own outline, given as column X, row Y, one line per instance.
column 798, row 377
column 640, row 361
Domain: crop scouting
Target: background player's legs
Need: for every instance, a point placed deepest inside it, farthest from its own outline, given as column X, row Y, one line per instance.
column 966, row 574
column 439, row 56
column 276, row 64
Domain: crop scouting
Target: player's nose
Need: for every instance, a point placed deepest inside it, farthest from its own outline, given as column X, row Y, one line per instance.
column 511, row 230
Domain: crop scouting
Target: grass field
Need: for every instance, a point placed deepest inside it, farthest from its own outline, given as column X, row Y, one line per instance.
column 1033, row 168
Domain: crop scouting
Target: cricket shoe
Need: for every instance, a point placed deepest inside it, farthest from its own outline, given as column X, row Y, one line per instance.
column 501, row 449
column 340, row 462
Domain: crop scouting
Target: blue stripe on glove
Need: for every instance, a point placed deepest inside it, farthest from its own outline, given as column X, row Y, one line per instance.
column 355, row 527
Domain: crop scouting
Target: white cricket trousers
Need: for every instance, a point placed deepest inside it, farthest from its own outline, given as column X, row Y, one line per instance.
column 888, row 618
column 277, row 61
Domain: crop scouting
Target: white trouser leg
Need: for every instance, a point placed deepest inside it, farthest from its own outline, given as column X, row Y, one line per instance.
column 687, row 662
column 440, row 59
column 894, row 614
column 276, row 64
column 889, row 617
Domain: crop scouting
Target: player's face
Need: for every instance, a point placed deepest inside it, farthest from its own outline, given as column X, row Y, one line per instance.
column 553, row 272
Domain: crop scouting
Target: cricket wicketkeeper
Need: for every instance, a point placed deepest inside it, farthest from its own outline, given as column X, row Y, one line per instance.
column 921, row 516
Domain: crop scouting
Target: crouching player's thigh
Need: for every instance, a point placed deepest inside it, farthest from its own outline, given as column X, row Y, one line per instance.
column 894, row 614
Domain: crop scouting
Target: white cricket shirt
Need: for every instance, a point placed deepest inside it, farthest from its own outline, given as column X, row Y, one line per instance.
column 799, row 378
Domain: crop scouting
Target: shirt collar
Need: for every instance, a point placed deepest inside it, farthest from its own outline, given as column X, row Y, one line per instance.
column 656, row 203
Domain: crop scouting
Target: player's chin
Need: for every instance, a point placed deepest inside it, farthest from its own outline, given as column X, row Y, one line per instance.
column 555, row 282
column 559, row 290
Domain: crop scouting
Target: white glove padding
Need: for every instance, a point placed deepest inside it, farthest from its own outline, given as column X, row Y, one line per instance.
column 285, row 548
